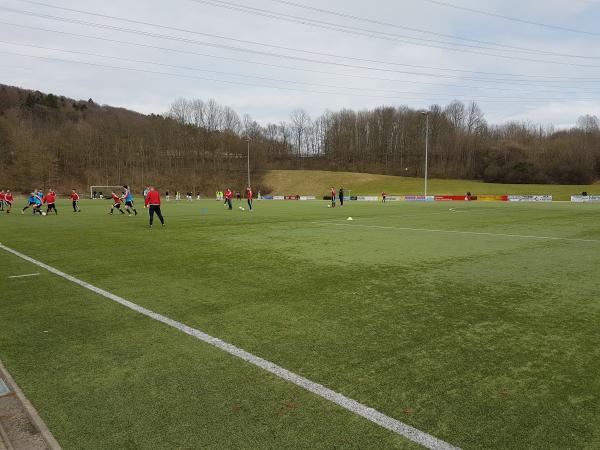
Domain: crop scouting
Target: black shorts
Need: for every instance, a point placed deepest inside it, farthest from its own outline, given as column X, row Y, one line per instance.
column 51, row 206
column 117, row 205
column 130, row 204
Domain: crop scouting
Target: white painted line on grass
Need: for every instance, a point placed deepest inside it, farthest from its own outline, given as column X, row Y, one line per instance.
column 26, row 275
column 475, row 233
column 411, row 433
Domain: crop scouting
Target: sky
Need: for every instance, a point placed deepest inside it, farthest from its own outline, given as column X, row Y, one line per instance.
column 520, row 60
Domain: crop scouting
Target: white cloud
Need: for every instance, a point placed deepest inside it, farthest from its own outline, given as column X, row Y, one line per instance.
column 152, row 92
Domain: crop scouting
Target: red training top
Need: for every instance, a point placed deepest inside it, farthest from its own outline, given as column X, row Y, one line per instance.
column 153, row 198
column 2, row 196
column 8, row 197
column 50, row 197
column 249, row 194
column 74, row 196
column 116, row 198
column 228, row 194
column 333, row 192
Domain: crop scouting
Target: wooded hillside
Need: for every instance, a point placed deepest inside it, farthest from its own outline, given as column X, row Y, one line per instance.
column 52, row 141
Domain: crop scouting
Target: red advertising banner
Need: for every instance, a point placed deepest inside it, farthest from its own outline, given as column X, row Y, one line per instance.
column 451, row 198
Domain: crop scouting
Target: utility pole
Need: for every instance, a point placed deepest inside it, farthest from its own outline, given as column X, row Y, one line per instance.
column 426, row 114
column 248, row 140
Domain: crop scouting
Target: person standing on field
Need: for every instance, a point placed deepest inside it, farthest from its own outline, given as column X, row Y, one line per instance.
column 249, row 197
column 228, row 198
column 153, row 202
column 383, row 197
column 341, row 196
column 50, row 200
column 75, row 200
column 332, row 197
column 8, row 200
column 129, row 201
column 116, row 203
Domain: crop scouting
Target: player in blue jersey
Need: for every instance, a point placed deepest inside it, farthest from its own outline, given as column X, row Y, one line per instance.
column 128, row 197
column 34, row 201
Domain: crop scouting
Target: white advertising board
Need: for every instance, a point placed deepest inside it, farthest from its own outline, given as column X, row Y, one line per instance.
column 529, row 198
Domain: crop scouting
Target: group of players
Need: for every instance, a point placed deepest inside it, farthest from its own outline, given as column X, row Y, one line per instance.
column 228, row 197
column 151, row 201
column 36, row 201
column 126, row 198
column 6, row 201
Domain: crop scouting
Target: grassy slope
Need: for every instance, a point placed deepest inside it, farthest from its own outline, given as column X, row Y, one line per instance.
column 292, row 182
column 485, row 341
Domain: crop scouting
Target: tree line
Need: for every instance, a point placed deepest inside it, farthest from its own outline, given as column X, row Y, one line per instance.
column 48, row 140
column 391, row 140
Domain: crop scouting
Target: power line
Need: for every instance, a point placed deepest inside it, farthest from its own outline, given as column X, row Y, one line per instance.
column 452, row 95
column 81, row 22
column 293, row 17
column 295, row 68
column 512, row 19
column 329, row 12
column 328, row 55
column 382, row 35
column 216, row 80
column 378, row 22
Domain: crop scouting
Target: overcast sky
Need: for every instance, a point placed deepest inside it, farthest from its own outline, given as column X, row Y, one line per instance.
column 281, row 55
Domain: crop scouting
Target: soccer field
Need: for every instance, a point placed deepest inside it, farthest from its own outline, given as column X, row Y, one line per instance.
column 477, row 325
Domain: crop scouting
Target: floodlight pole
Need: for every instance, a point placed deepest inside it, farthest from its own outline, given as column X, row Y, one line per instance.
column 248, row 140
column 426, row 113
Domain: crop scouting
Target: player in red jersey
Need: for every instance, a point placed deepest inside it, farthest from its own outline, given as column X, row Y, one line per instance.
column 249, row 197
column 228, row 197
column 153, row 203
column 2, row 199
column 75, row 200
column 383, row 197
column 50, row 200
column 116, row 203
column 332, row 197
column 8, row 200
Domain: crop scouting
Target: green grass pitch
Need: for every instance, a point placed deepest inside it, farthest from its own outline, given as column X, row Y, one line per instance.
column 487, row 341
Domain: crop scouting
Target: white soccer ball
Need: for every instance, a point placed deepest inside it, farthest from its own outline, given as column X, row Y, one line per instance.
column 242, row 209
column 350, row 218
column 43, row 213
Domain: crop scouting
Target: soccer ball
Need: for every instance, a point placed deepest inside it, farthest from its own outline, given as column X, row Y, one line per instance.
column 43, row 213
column 242, row 209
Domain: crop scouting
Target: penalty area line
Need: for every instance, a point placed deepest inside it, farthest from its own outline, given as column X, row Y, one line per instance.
column 25, row 275
column 474, row 233
column 374, row 416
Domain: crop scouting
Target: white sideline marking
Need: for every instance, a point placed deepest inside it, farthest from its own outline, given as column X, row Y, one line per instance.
column 26, row 275
column 420, row 437
column 477, row 233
